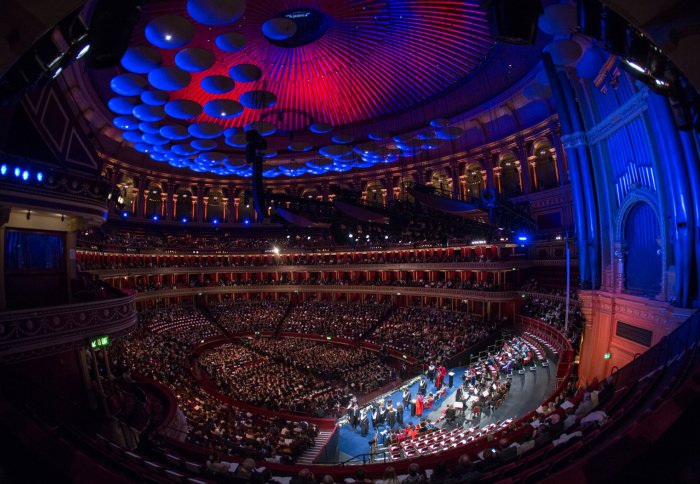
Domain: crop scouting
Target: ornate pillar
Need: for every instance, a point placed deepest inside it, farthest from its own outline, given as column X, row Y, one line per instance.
column 620, row 253
column 170, row 205
column 174, row 210
column 524, row 169
column 560, row 157
column 205, row 204
column 140, row 197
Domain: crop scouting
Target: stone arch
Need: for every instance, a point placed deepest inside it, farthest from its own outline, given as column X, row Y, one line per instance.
column 474, row 180
column 154, row 200
column 374, row 194
column 641, row 243
column 183, row 205
column 442, row 182
column 126, row 200
column 404, row 184
column 545, row 173
column 509, row 174
column 215, row 206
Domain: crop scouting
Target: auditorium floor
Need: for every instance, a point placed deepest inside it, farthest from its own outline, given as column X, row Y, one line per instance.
column 526, row 393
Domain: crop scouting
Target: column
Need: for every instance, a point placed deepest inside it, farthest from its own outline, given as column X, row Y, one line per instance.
column 524, row 169
column 140, row 197
column 560, row 157
column 170, row 205
column 174, row 207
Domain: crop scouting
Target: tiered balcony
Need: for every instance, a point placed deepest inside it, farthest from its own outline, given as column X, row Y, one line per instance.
column 31, row 333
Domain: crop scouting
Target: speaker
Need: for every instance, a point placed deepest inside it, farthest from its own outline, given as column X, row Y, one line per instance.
column 110, row 31
column 513, row 21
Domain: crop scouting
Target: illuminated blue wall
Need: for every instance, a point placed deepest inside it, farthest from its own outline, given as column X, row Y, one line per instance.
column 623, row 147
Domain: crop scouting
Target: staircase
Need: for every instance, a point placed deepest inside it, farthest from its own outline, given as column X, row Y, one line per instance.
column 389, row 312
column 310, row 455
column 284, row 317
column 210, row 317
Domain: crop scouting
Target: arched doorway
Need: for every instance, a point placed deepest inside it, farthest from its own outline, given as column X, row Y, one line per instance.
column 643, row 263
column 510, row 175
column 154, row 202
column 545, row 165
column 474, row 180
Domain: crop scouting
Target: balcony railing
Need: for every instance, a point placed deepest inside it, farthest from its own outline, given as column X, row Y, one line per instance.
column 30, row 333
column 414, row 266
column 490, row 296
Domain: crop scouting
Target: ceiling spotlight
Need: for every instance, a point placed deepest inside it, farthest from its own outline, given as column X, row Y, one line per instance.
column 168, row 37
column 83, row 51
column 635, row 66
column 57, row 73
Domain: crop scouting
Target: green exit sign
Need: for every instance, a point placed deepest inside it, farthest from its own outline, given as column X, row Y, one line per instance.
column 607, row 356
column 99, row 342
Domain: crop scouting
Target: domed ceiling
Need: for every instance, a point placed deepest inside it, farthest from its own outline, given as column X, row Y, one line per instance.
column 199, row 73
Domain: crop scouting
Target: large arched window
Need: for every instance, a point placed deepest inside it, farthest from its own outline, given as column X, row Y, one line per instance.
column 125, row 202
column 154, row 201
column 215, row 206
column 545, row 166
column 183, row 207
column 373, row 193
column 405, row 183
column 474, row 180
column 510, row 176
column 643, row 269
column 441, row 182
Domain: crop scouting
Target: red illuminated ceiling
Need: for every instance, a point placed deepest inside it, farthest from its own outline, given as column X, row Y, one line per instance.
column 376, row 58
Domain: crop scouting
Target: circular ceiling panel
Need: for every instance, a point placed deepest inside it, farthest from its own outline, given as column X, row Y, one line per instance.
column 217, row 84
column 133, row 136
column 154, row 139
column 321, row 128
column 245, row 73
column 169, row 78
column 141, row 59
column 223, row 108
column 154, row 98
column 126, row 122
column 258, row 99
column 230, row 42
column 174, row 132
column 300, row 146
column 147, row 127
column 169, row 32
column 215, row 12
column 262, row 127
column 183, row 109
column 128, row 84
column 279, row 28
column 203, row 144
column 144, row 112
column 194, row 59
column 205, row 130
column 184, row 150
column 237, row 140
column 122, row 105
column 449, row 132
column 342, row 139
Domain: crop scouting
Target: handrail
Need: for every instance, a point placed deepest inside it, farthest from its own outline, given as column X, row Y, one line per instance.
column 493, row 296
column 243, row 269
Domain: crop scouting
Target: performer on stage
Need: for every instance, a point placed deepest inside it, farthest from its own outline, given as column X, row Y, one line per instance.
column 390, row 414
column 406, row 397
column 422, row 387
column 355, row 421
column 419, row 405
column 431, row 372
column 364, row 423
column 399, row 413
column 442, row 372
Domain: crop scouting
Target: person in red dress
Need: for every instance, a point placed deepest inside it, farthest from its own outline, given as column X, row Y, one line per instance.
column 419, row 405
